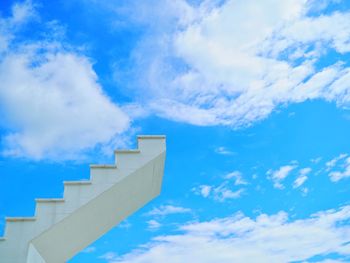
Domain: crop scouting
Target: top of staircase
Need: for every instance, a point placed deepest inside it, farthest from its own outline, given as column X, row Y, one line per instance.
column 49, row 200
column 151, row 137
column 127, row 151
column 107, row 166
column 82, row 182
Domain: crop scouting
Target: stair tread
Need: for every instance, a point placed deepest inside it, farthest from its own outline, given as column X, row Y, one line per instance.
column 127, row 151
column 77, row 182
column 49, row 200
column 103, row 166
column 20, row 219
column 151, row 137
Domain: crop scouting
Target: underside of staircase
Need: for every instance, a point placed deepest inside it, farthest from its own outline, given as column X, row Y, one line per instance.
column 62, row 227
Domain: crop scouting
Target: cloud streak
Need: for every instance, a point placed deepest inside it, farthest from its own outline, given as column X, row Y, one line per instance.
column 338, row 175
column 267, row 238
column 166, row 210
column 225, row 190
column 280, row 174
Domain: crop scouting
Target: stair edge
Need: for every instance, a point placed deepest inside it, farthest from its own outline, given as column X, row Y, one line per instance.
column 151, row 137
column 20, row 219
column 105, row 166
column 127, row 151
column 77, row 182
column 49, row 200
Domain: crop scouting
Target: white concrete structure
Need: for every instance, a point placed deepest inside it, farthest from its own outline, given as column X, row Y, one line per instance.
column 63, row 227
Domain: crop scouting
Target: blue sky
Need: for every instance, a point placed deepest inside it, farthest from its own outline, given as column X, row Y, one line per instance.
column 252, row 95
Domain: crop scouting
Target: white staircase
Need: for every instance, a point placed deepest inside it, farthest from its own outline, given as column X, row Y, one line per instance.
column 63, row 227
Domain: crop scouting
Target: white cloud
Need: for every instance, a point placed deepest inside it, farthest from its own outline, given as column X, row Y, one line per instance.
column 331, row 261
column 301, row 179
column 237, row 177
column 21, row 13
column 165, row 210
column 280, row 174
column 330, row 164
column 335, row 176
column 57, row 107
column 153, row 225
column 234, row 63
column 333, row 30
column 52, row 104
column 223, row 151
column 204, row 190
column 267, row 238
column 304, row 191
column 125, row 224
column 220, row 193
column 223, row 191
column 316, row 160
column 89, row 250
column 109, row 256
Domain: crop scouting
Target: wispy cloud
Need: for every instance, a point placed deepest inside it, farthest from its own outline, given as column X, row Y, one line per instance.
column 125, row 224
column 277, row 176
column 237, row 177
column 302, row 177
column 316, row 160
column 225, row 190
column 203, row 190
column 153, row 225
column 223, row 151
column 267, row 238
column 109, row 256
column 330, row 164
column 335, row 176
column 220, row 193
column 165, row 210
column 21, row 13
column 89, row 250
column 223, row 193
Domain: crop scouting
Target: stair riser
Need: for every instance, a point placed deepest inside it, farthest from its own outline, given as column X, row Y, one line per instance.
column 105, row 175
column 52, row 212
column 152, row 146
column 18, row 236
column 132, row 161
column 78, row 196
